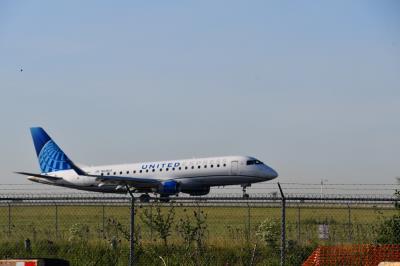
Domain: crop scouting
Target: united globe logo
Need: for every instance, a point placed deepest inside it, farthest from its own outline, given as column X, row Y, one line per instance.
column 52, row 158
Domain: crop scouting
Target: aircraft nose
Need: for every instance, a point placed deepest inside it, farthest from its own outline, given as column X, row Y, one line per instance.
column 270, row 173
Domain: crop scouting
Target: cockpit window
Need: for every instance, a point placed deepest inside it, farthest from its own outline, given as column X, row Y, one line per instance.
column 251, row 162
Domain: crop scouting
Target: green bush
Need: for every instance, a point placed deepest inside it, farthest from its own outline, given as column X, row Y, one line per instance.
column 79, row 232
column 101, row 253
column 193, row 230
column 269, row 232
column 388, row 231
column 161, row 222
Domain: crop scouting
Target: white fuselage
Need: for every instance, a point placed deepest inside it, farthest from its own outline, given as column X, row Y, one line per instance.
column 201, row 172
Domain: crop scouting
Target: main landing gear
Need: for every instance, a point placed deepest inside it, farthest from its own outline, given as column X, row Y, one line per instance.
column 164, row 198
column 244, row 187
column 144, row 198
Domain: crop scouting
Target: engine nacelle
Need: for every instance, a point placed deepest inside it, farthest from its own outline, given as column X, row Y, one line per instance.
column 170, row 187
column 196, row 191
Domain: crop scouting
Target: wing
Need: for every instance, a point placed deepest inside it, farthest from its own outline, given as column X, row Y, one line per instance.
column 137, row 182
column 40, row 175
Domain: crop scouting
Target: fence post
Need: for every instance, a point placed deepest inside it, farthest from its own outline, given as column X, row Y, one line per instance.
column 151, row 215
column 349, row 222
column 298, row 223
column 55, row 204
column 248, row 221
column 283, row 227
column 103, row 217
column 9, row 219
column 132, row 228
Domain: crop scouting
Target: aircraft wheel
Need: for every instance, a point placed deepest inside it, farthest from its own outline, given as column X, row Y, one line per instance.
column 144, row 198
column 245, row 195
column 164, row 198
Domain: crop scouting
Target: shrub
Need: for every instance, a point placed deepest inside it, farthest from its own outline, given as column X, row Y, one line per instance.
column 79, row 232
column 388, row 231
column 193, row 231
column 269, row 231
column 160, row 222
column 114, row 229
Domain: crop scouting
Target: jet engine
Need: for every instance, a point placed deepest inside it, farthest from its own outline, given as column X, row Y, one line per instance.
column 170, row 187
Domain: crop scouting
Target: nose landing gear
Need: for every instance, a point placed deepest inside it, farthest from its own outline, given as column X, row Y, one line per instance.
column 244, row 187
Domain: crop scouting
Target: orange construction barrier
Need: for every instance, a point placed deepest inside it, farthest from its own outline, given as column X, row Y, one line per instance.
column 353, row 255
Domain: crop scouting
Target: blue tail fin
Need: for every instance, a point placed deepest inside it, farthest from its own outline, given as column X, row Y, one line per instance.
column 51, row 157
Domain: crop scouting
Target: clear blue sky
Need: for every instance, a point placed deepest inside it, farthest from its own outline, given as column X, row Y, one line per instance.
column 310, row 87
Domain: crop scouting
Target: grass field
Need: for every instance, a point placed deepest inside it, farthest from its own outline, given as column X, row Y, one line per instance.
column 227, row 228
column 54, row 222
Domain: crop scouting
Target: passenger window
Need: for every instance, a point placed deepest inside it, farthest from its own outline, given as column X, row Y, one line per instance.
column 186, row 167
column 140, row 171
column 224, row 164
column 173, row 169
column 212, row 166
column 115, row 173
column 166, row 169
column 102, row 174
column 147, row 170
column 217, row 165
column 198, row 166
column 192, row 167
column 127, row 172
column 205, row 166
column 108, row 173
column 180, row 168
column 153, row 170
column 120, row 173
column 134, row 171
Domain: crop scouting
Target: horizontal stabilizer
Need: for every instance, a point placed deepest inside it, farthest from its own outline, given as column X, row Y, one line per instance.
column 39, row 175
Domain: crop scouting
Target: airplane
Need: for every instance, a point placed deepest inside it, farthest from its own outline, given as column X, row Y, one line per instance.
column 165, row 178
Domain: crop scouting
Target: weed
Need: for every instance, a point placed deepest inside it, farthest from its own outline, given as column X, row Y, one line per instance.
column 79, row 232
column 269, row 232
column 193, row 231
column 160, row 222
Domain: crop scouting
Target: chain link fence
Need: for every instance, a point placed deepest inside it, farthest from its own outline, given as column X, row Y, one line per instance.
column 192, row 231
column 344, row 226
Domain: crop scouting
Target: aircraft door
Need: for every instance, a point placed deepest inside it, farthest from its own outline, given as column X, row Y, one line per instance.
column 234, row 168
